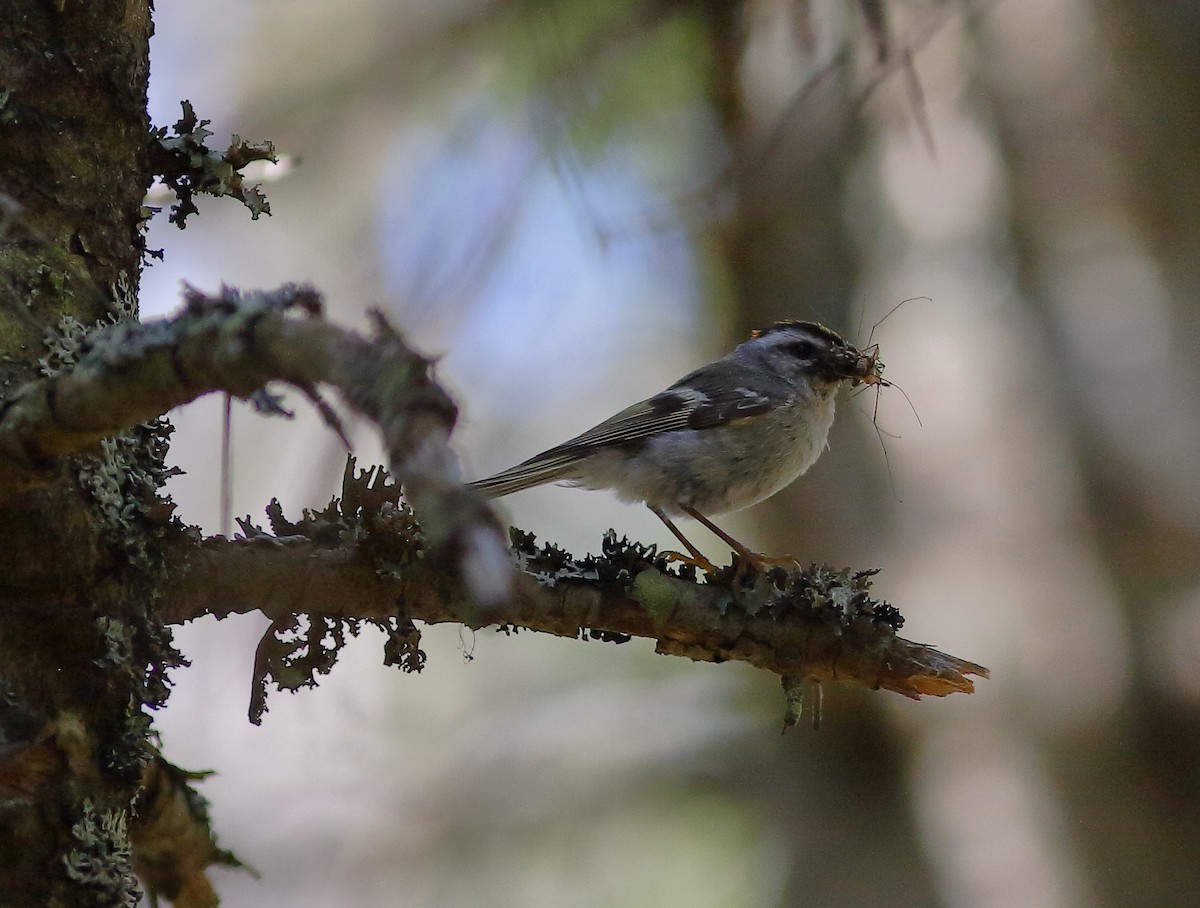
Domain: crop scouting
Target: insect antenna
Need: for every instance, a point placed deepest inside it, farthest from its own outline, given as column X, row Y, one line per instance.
column 911, row 299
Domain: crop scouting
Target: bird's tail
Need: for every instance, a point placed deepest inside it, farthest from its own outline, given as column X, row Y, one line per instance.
column 536, row 471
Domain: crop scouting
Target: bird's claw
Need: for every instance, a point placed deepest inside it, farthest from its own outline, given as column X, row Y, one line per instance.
column 766, row 562
column 697, row 561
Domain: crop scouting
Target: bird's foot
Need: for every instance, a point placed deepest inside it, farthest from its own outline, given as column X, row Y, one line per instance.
column 746, row 560
column 766, row 562
column 697, row 560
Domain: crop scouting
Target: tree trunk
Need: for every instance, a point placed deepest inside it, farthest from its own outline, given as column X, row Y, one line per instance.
column 80, row 653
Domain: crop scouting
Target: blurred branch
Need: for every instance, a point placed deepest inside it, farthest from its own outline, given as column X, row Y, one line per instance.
column 817, row 113
column 361, row 559
column 133, row 372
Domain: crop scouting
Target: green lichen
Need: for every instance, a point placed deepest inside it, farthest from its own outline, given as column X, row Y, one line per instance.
column 656, row 593
column 69, row 339
column 99, row 859
column 124, row 300
column 66, row 342
column 133, row 650
column 125, row 754
column 117, row 640
column 123, row 483
column 51, row 283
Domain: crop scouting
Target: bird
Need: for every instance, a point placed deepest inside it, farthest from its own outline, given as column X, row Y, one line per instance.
column 722, row 438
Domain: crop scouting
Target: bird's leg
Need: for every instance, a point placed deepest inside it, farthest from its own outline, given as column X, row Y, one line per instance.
column 758, row 560
column 716, row 530
column 694, row 556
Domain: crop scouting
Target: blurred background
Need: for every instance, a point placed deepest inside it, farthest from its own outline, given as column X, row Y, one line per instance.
column 572, row 203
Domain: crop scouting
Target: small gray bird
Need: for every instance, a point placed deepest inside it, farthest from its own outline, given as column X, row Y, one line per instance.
column 722, row 438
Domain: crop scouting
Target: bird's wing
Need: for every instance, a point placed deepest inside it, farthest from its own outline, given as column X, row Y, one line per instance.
column 664, row 412
column 686, row 407
column 682, row 406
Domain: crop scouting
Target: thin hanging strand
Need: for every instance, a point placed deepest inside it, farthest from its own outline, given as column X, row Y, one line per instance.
column 227, row 468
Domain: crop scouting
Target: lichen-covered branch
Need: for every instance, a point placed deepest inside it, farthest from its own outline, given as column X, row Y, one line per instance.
column 361, row 561
column 238, row 343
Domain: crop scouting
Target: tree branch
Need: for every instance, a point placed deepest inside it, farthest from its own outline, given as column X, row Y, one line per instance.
column 365, row 558
column 132, row 372
column 814, row 624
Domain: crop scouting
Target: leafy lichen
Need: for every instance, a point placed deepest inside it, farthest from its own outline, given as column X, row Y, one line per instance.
column 369, row 515
column 100, row 859
column 187, row 165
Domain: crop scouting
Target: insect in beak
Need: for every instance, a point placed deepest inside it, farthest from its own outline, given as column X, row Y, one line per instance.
column 868, row 370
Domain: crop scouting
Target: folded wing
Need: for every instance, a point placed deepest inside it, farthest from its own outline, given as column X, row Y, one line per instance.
column 682, row 406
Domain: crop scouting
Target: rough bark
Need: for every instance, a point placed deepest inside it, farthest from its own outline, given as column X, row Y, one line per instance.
column 76, row 639
column 355, row 563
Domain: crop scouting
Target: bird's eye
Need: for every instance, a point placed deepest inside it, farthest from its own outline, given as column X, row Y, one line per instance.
column 801, row 349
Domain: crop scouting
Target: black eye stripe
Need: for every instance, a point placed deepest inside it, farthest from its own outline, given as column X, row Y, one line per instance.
column 801, row 349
